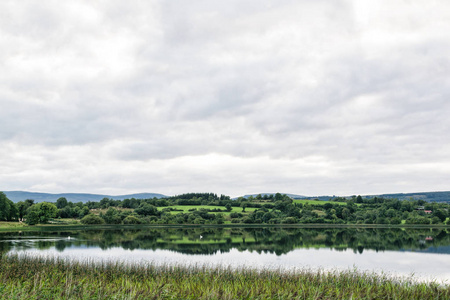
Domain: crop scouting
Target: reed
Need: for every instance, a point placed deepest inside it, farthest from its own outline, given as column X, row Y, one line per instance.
column 27, row 277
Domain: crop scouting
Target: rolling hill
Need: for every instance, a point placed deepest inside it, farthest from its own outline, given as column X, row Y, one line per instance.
column 17, row 196
column 427, row 196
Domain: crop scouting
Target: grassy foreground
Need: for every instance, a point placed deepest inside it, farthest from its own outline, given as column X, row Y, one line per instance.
column 51, row 278
column 11, row 225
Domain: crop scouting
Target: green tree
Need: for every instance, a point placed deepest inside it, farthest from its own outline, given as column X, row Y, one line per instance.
column 22, row 207
column 359, row 199
column 92, row 219
column 61, row 202
column 112, row 216
column 131, row 220
column 146, row 210
column 8, row 210
column 44, row 212
column 105, row 203
column 219, row 218
column 32, row 217
column 441, row 214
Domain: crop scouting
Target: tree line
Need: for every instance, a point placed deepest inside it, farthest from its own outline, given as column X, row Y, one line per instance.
column 209, row 208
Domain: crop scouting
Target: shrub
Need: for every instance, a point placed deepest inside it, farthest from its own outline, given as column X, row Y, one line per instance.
column 131, row 220
column 235, row 215
column 92, row 219
column 289, row 220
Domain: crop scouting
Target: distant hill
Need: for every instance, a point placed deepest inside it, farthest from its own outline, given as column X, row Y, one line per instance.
column 427, row 196
column 17, row 196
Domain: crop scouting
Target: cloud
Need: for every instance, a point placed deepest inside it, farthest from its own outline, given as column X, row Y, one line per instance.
column 296, row 96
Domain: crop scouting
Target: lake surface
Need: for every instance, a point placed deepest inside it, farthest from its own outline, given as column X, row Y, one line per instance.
column 423, row 254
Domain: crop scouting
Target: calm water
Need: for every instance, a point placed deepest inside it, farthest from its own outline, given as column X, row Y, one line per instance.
column 421, row 253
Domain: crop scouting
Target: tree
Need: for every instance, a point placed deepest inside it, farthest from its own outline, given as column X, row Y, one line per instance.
column 359, row 199
column 441, row 214
column 61, row 202
column 131, row 220
column 146, row 210
column 219, row 218
column 44, row 211
column 85, row 211
column 8, row 210
column 32, row 218
column 278, row 197
column 22, row 207
column 112, row 216
column 105, row 203
column 92, row 219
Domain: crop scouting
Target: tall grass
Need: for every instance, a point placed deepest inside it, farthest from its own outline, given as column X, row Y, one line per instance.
column 26, row 277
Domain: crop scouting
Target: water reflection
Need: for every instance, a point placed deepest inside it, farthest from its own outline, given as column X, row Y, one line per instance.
column 208, row 241
column 423, row 252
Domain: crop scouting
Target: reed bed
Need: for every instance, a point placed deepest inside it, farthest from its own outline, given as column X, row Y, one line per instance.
column 28, row 277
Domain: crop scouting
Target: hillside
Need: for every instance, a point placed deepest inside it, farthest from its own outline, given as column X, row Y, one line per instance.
column 16, row 196
column 427, row 196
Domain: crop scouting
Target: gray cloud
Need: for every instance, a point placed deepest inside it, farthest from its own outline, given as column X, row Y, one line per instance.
column 242, row 96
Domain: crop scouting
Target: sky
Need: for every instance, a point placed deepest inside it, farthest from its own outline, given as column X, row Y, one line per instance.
column 326, row 97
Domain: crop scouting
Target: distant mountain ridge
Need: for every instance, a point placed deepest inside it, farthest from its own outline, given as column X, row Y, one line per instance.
column 17, row 196
column 427, row 196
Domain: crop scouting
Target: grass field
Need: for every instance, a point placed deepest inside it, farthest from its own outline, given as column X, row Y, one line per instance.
column 12, row 225
column 51, row 278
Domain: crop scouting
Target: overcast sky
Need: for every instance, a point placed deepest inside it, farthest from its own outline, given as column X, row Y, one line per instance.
column 322, row 97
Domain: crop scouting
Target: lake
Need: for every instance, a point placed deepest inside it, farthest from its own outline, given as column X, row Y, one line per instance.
column 423, row 254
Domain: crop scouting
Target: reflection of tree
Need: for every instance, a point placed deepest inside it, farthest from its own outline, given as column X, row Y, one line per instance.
column 60, row 245
column 213, row 240
column 4, row 248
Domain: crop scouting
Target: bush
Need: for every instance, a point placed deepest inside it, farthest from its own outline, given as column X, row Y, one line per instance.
column 235, row 215
column 289, row 220
column 131, row 220
column 92, row 219
column 247, row 220
column 395, row 221
column 418, row 220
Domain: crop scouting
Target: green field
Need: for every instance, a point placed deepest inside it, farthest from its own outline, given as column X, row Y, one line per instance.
column 12, row 225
